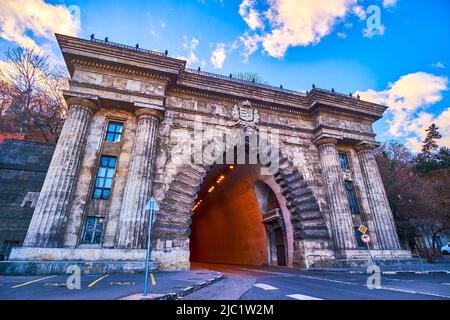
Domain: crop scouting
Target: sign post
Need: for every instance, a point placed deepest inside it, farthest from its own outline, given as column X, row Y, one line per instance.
column 366, row 239
column 152, row 206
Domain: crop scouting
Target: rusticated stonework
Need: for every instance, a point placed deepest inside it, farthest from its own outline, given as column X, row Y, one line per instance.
column 154, row 95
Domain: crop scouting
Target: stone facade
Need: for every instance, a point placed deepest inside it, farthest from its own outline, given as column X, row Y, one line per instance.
column 153, row 95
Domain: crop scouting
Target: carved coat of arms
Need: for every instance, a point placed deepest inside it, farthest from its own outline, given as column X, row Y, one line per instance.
column 245, row 115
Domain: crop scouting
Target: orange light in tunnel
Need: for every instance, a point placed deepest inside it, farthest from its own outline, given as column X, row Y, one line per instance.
column 211, row 189
column 231, row 167
column 220, row 179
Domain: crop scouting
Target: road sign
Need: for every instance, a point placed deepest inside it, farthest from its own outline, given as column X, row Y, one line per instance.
column 152, row 204
column 365, row 238
column 362, row 228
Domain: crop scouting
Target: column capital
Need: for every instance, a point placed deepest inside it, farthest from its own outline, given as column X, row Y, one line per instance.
column 326, row 140
column 365, row 146
column 79, row 101
column 141, row 112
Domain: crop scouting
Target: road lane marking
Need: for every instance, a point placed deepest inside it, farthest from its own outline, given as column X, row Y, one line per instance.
column 153, row 279
column 356, row 284
column 93, row 283
column 302, row 297
column 32, row 281
column 264, row 286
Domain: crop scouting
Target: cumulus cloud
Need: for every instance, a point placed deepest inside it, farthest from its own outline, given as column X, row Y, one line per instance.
column 22, row 21
column 218, row 56
column 292, row 23
column 250, row 15
column 408, row 99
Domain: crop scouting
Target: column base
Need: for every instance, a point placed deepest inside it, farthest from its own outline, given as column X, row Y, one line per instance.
column 376, row 254
column 41, row 261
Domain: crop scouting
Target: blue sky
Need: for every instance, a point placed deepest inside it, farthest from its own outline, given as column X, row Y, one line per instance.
column 404, row 62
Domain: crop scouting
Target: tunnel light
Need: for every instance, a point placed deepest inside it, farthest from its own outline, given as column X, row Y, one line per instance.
column 231, row 167
column 211, row 189
column 220, row 179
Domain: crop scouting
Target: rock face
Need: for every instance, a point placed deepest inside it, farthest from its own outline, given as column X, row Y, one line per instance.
column 89, row 206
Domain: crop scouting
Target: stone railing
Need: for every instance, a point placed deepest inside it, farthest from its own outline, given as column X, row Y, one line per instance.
column 123, row 46
column 244, row 82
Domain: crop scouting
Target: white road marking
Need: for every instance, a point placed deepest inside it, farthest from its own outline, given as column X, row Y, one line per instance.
column 302, row 297
column 353, row 284
column 265, row 286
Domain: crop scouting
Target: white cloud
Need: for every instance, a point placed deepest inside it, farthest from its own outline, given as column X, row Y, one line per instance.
column 190, row 46
column 438, row 65
column 389, row 3
column 218, row 56
column 19, row 18
column 250, row 43
column 407, row 99
column 250, row 15
column 360, row 12
column 342, row 35
column 371, row 32
column 292, row 23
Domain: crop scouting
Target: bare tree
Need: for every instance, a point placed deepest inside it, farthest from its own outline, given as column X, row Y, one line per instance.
column 249, row 76
column 35, row 105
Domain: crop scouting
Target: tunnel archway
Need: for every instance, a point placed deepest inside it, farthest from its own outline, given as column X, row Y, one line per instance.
column 227, row 224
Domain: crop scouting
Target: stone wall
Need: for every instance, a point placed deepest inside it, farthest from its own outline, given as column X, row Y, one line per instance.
column 23, row 166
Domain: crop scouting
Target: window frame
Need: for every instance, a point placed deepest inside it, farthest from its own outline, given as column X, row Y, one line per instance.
column 346, row 155
column 105, row 176
column 115, row 132
column 94, row 230
column 353, row 201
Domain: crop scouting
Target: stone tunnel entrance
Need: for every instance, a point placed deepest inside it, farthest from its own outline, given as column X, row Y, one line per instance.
column 237, row 219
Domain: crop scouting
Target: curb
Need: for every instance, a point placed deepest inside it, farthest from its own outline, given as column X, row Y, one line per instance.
column 388, row 272
column 188, row 290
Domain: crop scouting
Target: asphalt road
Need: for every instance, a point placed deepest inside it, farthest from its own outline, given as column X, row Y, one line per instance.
column 249, row 283
column 240, row 283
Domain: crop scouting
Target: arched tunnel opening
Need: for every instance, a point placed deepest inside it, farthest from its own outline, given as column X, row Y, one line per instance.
column 237, row 219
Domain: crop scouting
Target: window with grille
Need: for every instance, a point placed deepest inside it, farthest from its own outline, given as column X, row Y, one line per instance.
column 114, row 131
column 105, row 175
column 93, row 230
column 352, row 199
column 343, row 159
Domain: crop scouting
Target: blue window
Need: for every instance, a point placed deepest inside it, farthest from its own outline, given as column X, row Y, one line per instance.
column 114, row 132
column 352, row 199
column 93, row 230
column 105, row 175
column 343, row 159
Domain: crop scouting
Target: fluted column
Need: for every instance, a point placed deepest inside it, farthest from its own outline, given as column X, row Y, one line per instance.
column 47, row 224
column 133, row 221
column 379, row 205
column 341, row 219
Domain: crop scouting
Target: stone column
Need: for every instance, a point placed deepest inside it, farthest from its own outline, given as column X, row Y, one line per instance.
column 48, row 222
column 341, row 218
column 379, row 206
column 132, row 226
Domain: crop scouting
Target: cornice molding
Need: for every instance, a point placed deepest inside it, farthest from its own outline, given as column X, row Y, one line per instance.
column 115, row 90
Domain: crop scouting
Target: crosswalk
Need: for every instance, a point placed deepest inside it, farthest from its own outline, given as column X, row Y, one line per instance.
column 296, row 296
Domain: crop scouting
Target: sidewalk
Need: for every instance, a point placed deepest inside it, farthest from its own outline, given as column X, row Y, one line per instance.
column 173, row 285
